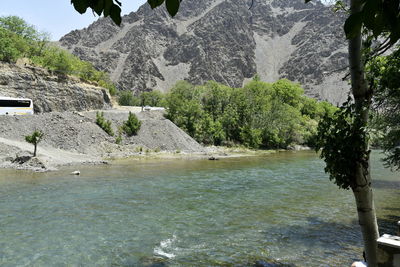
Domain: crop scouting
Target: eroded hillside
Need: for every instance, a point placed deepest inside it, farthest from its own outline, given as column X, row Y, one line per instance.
column 221, row 40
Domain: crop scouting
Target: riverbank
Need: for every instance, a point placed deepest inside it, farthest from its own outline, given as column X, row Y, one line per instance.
column 74, row 138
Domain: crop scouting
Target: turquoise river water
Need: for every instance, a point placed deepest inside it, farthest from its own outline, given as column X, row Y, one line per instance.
column 230, row 212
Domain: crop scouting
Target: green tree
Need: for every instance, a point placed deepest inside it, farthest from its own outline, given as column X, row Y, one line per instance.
column 11, row 46
column 34, row 139
column 348, row 162
column 383, row 74
column 153, row 99
column 132, row 125
column 255, row 116
column 183, row 106
column 126, row 98
column 19, row 26
column 30, row 42
column 215, row 97
column 18, row 39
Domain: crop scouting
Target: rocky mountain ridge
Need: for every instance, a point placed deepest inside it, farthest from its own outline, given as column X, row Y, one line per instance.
column 221, row 40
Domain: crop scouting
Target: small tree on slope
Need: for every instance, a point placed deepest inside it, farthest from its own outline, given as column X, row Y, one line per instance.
column 34, row 139
column 132, row 125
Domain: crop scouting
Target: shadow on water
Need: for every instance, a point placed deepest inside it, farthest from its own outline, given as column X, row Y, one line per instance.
column 388, row 223
column 382, row 184
column 319, row 233
column 327, row 237
column 161, row 262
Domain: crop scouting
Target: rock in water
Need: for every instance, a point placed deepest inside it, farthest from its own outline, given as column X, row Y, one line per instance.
column 221, row 40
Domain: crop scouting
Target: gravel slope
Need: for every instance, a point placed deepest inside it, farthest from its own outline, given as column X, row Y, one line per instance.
column 74, row 138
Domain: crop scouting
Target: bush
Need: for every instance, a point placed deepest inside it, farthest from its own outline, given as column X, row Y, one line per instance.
column 132, row 125
column 104, row 124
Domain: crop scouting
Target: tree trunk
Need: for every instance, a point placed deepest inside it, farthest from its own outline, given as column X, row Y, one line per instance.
column 366, row 215
column 362, row 181
column 34, row 150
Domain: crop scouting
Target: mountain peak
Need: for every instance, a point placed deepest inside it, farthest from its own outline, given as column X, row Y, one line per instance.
column 221, row 40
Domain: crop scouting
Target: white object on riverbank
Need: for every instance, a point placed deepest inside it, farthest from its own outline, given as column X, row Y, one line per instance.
column 76, row 173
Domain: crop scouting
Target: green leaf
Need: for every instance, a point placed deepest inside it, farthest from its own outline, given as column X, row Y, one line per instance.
column 107, row 7
column 353, row 24
column 395, row 34
column 379, row 25
column 370, row 10
column 155, row 3
column 80, row 5
column 115, row 14
column 98, row 7
column 172, row 6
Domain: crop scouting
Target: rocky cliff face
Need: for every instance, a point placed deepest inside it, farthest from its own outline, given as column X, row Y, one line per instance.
column 51, row 92
column 221, row 40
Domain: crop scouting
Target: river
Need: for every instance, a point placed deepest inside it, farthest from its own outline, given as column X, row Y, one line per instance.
column 229, row 212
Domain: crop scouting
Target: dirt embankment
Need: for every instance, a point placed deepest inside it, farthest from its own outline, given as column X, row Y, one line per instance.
column 75, row 138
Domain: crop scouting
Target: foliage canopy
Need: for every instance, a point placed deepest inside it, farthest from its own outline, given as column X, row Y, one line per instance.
column 383, row 74
column 260, row 114
column 18, row 39
column 34, row 139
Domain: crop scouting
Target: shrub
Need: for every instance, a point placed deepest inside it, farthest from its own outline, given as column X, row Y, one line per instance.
column 104, row 124
column 132, row 125
column 118, row 139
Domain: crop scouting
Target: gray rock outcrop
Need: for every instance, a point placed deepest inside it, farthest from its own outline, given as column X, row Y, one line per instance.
column 51, row 92
column 221, row 40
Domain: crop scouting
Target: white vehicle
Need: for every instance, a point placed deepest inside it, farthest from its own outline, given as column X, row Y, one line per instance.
column 15, row 106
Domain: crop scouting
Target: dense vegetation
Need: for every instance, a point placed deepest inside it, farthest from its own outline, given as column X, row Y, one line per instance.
column 259, row 115
column 18, row 39
column 152, row 98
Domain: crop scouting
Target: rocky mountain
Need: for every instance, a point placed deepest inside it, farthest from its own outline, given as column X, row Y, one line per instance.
column 51, row 92
column 221, row 40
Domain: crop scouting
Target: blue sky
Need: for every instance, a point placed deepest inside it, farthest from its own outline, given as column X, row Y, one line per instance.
column 56, row 17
